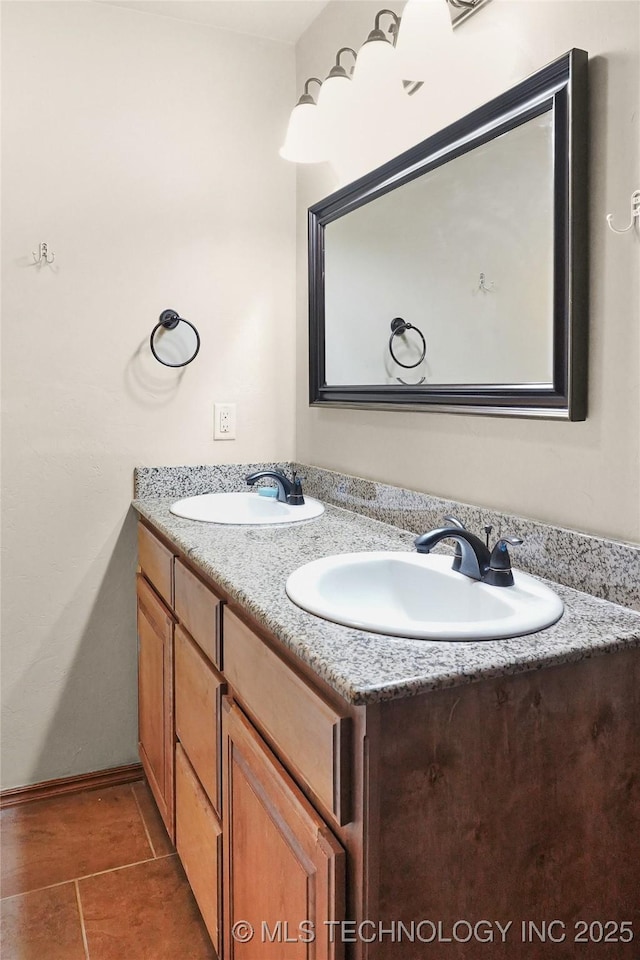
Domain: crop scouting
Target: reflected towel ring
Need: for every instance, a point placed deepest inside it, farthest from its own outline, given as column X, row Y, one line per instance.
column 398, row 327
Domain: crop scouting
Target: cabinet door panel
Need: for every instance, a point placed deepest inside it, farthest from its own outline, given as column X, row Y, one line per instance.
column 284, row 869
column 199, row 689
column 155, row 697
column 198, row 608
column 199, row 843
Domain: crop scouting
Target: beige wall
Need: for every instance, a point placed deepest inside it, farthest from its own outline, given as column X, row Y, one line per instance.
column 582, row 475
column 144, row 150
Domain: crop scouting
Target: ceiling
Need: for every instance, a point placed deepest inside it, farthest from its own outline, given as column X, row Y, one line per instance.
column 284, row 20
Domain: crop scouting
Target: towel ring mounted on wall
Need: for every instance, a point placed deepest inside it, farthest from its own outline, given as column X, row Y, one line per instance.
column 174, row 341
column 399, row 327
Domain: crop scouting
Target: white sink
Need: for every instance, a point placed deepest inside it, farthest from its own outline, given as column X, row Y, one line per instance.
column 420, row 596
column 244, row 508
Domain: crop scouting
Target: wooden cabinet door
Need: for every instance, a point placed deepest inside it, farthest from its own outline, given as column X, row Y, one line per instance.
column 284, row 871
column 155, row 698
column 199, row 843
column 198, row 695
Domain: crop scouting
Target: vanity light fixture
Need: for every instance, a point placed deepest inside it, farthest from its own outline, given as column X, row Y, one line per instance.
column 375, row 83
column 304, row 142
column 376, row 62
column 335, row 100
column 425, row 23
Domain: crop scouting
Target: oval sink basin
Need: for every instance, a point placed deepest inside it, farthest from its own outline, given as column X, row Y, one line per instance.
column 420, row 596
column 244, row 508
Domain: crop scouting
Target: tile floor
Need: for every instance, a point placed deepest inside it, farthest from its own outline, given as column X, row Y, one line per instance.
column 93, row 876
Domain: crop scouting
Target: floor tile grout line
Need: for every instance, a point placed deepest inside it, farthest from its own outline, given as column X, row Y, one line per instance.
column 144, row 822
column 82, row 926
column 88, row 876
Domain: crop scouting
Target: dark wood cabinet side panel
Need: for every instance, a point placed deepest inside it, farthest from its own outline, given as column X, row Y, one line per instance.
column 515, row 799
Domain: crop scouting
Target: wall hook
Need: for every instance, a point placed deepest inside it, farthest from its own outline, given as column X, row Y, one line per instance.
column 635, row 214
column 43, row 255
column 484, row 285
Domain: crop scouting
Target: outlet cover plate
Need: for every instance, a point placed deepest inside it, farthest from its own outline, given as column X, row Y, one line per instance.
column 224, row 421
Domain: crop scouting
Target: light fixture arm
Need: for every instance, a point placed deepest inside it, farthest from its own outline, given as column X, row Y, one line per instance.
column 306, row 96
column 337, row 70
column 344, row 50
column 393, row 29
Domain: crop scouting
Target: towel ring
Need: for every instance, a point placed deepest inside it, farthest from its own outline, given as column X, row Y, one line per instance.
column 398, row 327
column 177, row 350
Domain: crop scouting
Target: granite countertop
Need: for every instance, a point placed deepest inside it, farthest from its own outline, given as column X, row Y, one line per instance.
column 251, row 564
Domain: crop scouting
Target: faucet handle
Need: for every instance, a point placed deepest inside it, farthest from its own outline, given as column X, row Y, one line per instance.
column 512, row 541
column 296, row 496
column 500, row 559
column 457, row 553
column 499, row 573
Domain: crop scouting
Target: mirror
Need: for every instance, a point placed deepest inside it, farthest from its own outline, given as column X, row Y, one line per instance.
column 454, row 278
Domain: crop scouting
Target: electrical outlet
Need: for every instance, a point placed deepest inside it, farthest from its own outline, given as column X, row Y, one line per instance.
column 224, row 421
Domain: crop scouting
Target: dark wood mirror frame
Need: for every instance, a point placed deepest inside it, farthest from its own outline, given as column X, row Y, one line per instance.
column 560, row 87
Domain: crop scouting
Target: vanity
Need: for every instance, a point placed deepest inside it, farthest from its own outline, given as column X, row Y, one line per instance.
column 338, row 793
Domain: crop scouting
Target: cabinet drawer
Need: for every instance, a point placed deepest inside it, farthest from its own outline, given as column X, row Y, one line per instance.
column 153, row 609
column 312, row 734
column 198, row 688
column 198, row 608
column 199, row 844
column 156, row 562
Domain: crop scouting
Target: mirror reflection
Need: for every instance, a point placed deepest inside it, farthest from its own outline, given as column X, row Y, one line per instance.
column 464, row 253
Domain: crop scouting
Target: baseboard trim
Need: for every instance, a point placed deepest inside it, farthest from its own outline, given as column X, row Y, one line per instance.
column 64, row 785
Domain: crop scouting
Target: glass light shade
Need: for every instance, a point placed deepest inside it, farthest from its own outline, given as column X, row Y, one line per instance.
column 336, row 109
column 381, row 113
column 304, row 142
column 425, row 36
column 377, row 68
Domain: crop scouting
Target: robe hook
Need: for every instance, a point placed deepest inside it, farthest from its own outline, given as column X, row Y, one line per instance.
column 484, row 284
column 635, row 214
column 43, row 255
